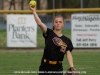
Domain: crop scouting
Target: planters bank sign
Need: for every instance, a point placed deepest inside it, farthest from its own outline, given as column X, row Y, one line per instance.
column 21, row 31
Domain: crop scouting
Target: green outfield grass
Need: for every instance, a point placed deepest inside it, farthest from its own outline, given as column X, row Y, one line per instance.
column 3, row 38
column 40, row 39
column 88, row 62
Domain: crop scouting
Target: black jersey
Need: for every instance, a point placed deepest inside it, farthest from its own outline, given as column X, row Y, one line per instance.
column 56, row 47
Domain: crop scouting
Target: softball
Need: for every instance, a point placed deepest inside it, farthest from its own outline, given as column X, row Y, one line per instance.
column 33, row 3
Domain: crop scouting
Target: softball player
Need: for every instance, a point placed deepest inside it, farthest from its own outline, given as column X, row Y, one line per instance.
column 56, row 46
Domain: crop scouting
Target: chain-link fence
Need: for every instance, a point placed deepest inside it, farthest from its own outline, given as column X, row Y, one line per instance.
column 46, row 4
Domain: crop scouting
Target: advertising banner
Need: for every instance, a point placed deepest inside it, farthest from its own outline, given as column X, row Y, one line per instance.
column 85, row 30
column 21, row 31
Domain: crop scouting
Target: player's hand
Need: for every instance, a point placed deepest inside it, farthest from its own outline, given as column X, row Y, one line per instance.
column 32, row 8
column 72, row 71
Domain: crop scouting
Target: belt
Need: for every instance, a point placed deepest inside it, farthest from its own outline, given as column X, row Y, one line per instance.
column 52, row 62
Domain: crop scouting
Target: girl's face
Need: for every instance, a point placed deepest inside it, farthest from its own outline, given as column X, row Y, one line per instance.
column 58, row 23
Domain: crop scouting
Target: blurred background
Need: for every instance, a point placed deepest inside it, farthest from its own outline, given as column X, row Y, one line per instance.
column 21, row 61
column 46, row 5
column 46, row 18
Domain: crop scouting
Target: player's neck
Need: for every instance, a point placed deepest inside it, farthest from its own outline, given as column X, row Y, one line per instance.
column 58, row 32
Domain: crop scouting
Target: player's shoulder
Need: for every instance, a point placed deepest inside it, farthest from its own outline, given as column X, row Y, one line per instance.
column 67, row 40
column 65, row 37
column 48, row 29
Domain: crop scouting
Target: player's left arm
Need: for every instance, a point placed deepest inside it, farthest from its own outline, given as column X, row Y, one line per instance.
column 69, row 58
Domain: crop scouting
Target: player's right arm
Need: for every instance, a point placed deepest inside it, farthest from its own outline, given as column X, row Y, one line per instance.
column 37, row 19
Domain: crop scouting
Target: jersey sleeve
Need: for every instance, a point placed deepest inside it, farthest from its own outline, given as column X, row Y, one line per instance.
column 48, row 32
column 70, row 46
